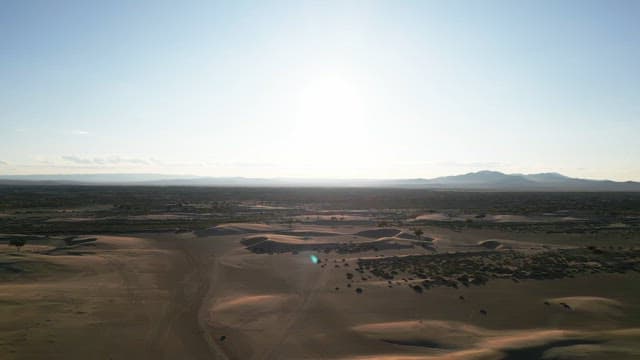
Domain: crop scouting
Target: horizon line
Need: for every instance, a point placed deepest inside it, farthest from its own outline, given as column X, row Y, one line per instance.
column 186, row 176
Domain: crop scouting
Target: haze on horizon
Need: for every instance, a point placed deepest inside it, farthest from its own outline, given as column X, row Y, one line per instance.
column 375, row 89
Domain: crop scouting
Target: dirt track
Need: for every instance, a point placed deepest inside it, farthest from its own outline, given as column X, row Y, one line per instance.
column 134, row 298
column 180, row 296
column 180, row 328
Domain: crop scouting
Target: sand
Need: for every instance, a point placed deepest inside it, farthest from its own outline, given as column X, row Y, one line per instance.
column 494, row 218
column 490, row 244
column 206, row 296
column 133, row 298
column 379, row 233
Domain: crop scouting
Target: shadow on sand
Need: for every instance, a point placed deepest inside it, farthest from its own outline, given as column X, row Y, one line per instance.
column 537, row 352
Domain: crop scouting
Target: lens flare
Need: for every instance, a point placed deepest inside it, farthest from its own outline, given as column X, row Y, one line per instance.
column 314, row 259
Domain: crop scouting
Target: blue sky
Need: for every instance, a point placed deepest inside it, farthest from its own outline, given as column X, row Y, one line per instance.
column 361, row 89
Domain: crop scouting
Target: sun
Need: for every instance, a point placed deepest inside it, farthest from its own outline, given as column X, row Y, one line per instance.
column 330, row 99
column 330, row 114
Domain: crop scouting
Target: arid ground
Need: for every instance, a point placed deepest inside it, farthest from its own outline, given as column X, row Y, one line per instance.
column 202, row 273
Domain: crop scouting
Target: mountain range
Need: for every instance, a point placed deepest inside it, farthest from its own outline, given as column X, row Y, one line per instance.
column 481, row 180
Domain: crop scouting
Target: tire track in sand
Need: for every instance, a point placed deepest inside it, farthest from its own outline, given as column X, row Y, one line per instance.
column 182, row 316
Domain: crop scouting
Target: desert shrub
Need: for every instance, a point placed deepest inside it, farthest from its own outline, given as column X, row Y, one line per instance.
column 349, row 276
column 17, row 242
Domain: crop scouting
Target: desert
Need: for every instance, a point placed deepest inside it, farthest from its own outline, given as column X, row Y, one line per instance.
column 280, row 281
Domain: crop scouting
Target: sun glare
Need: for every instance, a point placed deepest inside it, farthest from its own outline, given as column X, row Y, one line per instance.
column 330, row 111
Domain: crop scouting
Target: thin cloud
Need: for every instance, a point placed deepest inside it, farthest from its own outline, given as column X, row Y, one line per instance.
column 240, row 164
column 486, row 164
column 3, row 162
column 110, row 160
column 77, row 160
column 252, row 164
column 79, row 132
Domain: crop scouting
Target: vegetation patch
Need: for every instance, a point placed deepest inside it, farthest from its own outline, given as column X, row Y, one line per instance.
column 476, row 268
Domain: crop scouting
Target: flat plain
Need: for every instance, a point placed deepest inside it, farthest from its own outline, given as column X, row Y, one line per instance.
column 317, row 273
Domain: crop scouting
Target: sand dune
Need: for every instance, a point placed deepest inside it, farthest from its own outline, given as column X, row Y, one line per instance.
column 406, row 235
column 120, row 242
column 248, row 226
column 435, row 217
column 75, row 219
column 427, row 333
column 590, row 304
column 243, row 303
column 397, row 240
column 498, row 218
column 333, row 217
column 161, row 217
column 288, row 285
column 490, row 244
column 509, row 218
column 237, row 228
column 308, row 233
column 457, row 340
column 252, row 228
column 378, row 233
column 473, row 354
column 285, row 239
column 279, row 243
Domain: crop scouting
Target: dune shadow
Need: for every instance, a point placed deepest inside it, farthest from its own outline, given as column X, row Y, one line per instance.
column 419, row 343
column 537, row 352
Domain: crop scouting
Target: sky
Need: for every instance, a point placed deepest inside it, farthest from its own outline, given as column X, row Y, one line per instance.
column 331, row 89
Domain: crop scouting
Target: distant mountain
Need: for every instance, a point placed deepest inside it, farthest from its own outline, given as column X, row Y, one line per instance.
column 481, row 180
column 545, row 177
column 94, row 178
column 494, row 180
